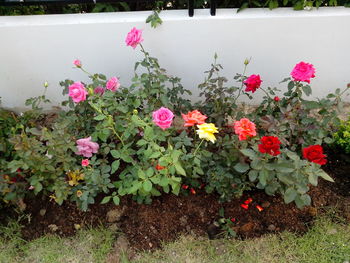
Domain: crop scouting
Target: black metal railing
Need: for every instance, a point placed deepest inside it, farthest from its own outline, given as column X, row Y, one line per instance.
column 67, row 2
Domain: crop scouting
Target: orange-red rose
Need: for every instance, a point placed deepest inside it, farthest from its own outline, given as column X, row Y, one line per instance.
column 193, row 118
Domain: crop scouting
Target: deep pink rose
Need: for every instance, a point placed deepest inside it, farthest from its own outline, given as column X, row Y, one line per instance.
column 303, row 72
column 276, row 98
column 77, row 63
column 85, row 162
column 134, row 38
column 113, row 84
column 252, row 83
column 99, row 90
column 77, row 92
column 86, row 147
column 163, row 118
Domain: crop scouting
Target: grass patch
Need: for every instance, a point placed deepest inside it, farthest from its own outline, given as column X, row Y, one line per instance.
column 327, row 241
column 88, row 246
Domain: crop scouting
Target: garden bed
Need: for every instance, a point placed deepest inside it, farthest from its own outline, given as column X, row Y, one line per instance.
column 169, row 216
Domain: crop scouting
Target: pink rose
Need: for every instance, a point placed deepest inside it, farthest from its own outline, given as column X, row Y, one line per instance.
column 276, row 98
column 252, row 83
column 303, row 72
column 77, row 63
column 86, row 147
column 113, row 84
column 77, row 92
column 84, row 162
column 163, row 118
column 134, row 38
column 99, row 90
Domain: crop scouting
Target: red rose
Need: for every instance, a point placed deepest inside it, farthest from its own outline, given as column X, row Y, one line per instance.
column 252, row 83
column 277, row 99
column 314, row 153
column 270, row 145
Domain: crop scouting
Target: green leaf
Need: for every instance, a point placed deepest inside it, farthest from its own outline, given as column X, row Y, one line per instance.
column 115, row 154
column 306, row 199
column 141, row 142
column 324, row 175
column 253, row 174
column 105, row 200
column 150, row 172
column 38, row 187
column 285, row 167
column 126, row 158
column 311, row 104
column 179, row 169
column 164, row 181
column 289, row 195
column 147, row 185
column 250, row 153
column 115, row 166
column 293, row 156
column 307, row 90
column 313, row 179
column 241, row 167
column 263, row 175
column 155, row 155
column 116, row 200
column 100, row 117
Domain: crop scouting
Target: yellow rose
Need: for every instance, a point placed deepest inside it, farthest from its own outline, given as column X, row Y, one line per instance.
column 206, row 131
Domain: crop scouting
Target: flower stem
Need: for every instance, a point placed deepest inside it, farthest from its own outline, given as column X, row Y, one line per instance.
column 267, row 94
column 199, row 145
column 242, row 84
column 146, row 57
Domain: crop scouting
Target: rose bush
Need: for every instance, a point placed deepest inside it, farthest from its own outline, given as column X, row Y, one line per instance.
column 148, row 139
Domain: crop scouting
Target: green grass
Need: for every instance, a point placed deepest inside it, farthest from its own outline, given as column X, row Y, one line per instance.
column 88, row 246
column 327, row 241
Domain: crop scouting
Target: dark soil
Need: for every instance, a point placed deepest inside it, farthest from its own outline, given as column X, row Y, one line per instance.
column 147, row 226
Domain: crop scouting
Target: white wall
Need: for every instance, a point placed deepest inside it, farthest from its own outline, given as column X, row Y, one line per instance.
column 34, row 49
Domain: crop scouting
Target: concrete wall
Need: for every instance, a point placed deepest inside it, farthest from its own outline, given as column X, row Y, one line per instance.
column 34, row 49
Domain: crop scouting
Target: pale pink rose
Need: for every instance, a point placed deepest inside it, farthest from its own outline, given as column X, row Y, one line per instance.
column 86, row 147
column 99, row 90
column 303, row 72
column 113, row 84
column 77, row 63
column 163, row 118
column 77, row 92
column 84, row 162
column 245, row 129
column 134, row 38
